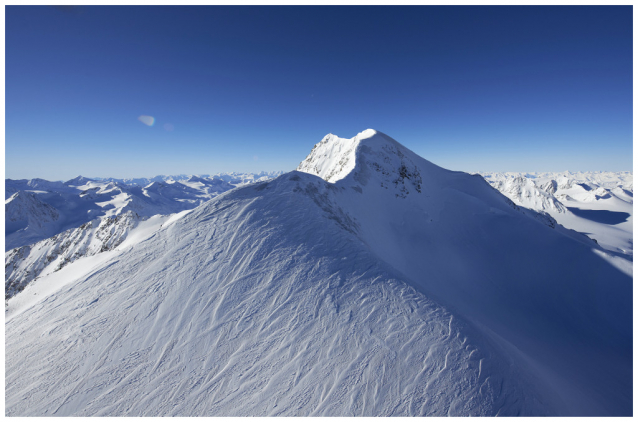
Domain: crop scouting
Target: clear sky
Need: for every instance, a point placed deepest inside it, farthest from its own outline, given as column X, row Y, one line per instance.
column 485, row 88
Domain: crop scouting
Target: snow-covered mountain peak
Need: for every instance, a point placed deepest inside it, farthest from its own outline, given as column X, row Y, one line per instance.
column 370, row 282
column 154, row 185
column 368, row 133
column 25, row 206
column 333, row 158
column 370, row 159
column 195, row 179
column 78, row 181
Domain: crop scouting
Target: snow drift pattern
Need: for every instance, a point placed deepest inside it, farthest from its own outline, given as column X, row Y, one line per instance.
column 399, row 289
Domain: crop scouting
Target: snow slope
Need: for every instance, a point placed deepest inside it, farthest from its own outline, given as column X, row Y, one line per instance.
column 28, row 219
column 399, row 289
column 24, row 264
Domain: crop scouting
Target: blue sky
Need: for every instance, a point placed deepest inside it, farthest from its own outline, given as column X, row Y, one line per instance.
column 487, row 88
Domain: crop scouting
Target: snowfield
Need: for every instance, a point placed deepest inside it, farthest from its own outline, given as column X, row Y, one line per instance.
column 367, row 282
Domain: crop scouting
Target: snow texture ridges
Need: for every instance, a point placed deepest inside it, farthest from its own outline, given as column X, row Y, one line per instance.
column 386, row 286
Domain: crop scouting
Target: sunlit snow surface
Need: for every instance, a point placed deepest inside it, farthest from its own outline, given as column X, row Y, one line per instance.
column 399, row 289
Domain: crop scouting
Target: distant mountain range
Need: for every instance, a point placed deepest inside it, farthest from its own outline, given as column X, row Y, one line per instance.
column 599, row 204
column 37, row 209
column 233, row 178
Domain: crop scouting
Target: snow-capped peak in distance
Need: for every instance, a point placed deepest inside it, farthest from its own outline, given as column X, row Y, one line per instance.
column 82, row 199
column 27, row 208
column 78, row 181
column 194, row 179
column 234, row 178
column 597, row 203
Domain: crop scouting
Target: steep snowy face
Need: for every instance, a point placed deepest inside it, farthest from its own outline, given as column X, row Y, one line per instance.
column 472, row 248
column 550, row 187
column 333, row 158
column 369, row 154
column 25, row 208
column 524, row 192
column 24, row 264
column 28, row 218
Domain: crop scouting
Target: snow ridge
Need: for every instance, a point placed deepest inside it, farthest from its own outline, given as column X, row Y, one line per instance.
column 29, row 218
column 240, row 320
column 332, row 158
column 24, row 207
column 24, row 264
column 388, row 286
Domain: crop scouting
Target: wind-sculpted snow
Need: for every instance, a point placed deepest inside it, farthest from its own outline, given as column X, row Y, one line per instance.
column 400, row 288
column 254, row 304
column 465, row 244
